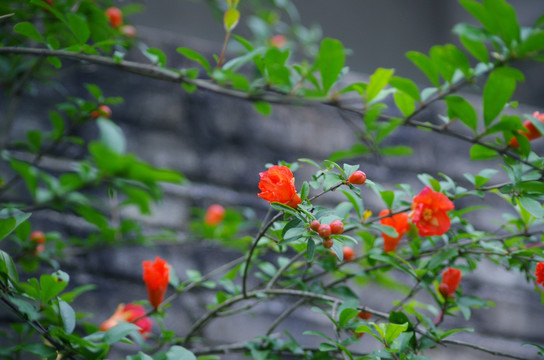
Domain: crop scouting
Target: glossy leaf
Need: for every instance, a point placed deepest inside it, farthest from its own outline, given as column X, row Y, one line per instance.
column 78, row 26
column 378, row 81
column 498, row 89
column 29, row 30
column 407, row 86
column 459, row 108
column 195, row 56
column 424, row 63
column 330, row 62
column 230, row 19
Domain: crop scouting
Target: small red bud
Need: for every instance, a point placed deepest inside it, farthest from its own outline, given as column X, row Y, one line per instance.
column 115, row 16
column 128, row 30
column 324, row 231
column 314, row 225
column 103, row 110
column 327, row 243
column 38, row 237
column 349, row 254
column 214, row 215
column 357, row 178
column 337, row 227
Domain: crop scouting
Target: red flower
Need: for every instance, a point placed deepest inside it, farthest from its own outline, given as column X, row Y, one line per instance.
column 400, row 223
column 278, row 185
column 451, row 278
column 531, row 132
column 156, row 276
column 539, row 273
column 129, row 313
column 214, row 215
column 430, row 212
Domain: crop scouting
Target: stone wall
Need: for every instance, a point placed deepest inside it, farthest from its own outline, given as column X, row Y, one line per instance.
column 221, row 144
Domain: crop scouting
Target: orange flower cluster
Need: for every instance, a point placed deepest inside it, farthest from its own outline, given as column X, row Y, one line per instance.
column 539, row 273
column 129, row 313
column 429, row 212
column 451, row 278
column 400, row 223
column 156, row 276
column 531, row 131
column 277, row 184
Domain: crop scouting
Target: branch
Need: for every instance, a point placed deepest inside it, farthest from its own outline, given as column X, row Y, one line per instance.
column 152, row 71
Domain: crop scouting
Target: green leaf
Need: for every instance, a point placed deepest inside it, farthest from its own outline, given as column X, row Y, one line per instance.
column 326, row 347
column 399, row 150
column 263, row 107
column 441, row 258
column 68, row 316
column 29, row 30
column 503, row 21
column 459, row 108
column 533, row 44
column 425, row 64
column 346, row 315
column 378, row 81
column 195, row 56
column 532, row 206
column 406, row 86
column 51, row 286
column 476, row 48
column 479, row 152
column 448, row 59
column 78, row 26
column 7, row 267
column 119, row 331
column 111, row 135
column 41, row 350
column 393, row 331
column 95, row 92
column 405, row 103
column 310, row 249
column 230, row 19
column 330, row 62
column 55, row 61
column 177, row 352
column 156, row 56
column 498, row 89
column 10, row 219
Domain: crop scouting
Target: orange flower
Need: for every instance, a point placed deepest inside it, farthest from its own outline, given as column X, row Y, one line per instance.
column 400, row 223
column 429, row 212
column 531, row 132
column 278, row 185
column 156, row 276
column 214, row 215
column 129, row 313
column 539, row 273
column 451, row 278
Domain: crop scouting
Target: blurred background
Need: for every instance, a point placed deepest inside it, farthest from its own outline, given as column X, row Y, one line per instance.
column 379, row 33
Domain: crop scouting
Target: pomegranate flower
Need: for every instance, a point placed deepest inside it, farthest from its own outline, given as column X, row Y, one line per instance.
column 429, row 212
column 531, row 132
column 451, row 278
column 539, row 273
column 400, row 223
column 129, row 313
column 156, row 275
column 277, row 184
column 214, row 215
